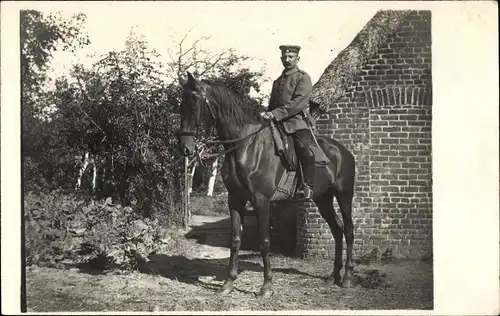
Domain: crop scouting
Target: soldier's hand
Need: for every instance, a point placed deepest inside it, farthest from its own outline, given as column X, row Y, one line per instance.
column 267, row 116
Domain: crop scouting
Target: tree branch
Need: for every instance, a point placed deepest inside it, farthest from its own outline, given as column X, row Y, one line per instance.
column 212, row 65
column 89, row 101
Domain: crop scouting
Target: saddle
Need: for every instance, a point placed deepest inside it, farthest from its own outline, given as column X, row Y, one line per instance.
column 284, row 146
column 285, row 149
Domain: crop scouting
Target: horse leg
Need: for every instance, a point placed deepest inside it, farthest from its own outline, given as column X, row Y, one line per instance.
column 345, row 204
column 261, row 205
column 237, row 209
column 326, row 209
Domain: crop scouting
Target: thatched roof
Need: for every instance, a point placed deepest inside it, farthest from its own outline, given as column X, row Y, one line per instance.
column 338, row 76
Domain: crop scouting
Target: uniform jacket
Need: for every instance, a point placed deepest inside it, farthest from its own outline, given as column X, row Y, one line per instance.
column 290, row 98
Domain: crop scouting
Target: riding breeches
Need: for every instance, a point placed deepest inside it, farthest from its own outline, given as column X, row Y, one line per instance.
column 302, row 139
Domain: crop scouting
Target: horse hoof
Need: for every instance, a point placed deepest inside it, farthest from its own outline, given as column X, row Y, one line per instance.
column 225, row 290
column 264, row 293
column 337, row 280
column 346, row 283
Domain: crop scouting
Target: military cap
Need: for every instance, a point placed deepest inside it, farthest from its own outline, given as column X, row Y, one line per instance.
column 289, row 48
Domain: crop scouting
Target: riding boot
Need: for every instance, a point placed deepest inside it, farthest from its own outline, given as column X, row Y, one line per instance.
column 305, row 191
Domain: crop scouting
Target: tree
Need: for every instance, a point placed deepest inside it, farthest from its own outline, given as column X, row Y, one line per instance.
column 224, row 67
column 121, row 116
column 119, row 113
column 40, row 36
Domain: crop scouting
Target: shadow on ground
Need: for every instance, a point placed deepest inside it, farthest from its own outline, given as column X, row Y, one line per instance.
column 218, row 234
column 193, row 271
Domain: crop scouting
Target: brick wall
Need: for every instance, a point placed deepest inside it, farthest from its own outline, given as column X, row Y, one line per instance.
column 385, row 120
column 313, row 233
column 284, row 227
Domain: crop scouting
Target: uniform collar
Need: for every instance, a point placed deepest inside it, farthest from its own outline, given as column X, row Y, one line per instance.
column 291, row 71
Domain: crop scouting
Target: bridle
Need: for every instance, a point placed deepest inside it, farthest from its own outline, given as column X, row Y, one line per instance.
column 199, row 116
column 203, row 153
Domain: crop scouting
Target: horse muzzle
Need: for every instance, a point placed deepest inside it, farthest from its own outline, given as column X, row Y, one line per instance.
column 186, row 144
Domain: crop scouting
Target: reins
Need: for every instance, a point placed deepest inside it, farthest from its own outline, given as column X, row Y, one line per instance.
column 230, row 141
column 203, row 156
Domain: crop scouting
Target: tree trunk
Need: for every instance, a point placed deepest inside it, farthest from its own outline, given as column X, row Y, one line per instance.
column 82, row 170
column 190, row 189
column 211, row 181
column 187, row 212
column 94, row 175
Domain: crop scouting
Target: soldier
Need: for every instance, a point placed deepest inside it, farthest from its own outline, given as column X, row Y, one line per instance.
column 287, row 105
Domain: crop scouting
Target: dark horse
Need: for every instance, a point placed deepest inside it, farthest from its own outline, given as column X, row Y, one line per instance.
column 251, row 172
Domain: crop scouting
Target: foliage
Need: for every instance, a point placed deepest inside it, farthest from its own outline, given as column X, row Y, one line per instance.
column 241, row 79
column 62, row 230
column 122, row 112
column 209, row 205
column 40, row 36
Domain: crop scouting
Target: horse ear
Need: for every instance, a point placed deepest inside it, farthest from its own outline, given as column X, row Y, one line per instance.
column 182, row 80
column 192, row 82
column 190, row 77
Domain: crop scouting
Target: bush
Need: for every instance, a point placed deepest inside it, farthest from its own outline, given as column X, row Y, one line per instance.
column 209, row 205
column 66, row 230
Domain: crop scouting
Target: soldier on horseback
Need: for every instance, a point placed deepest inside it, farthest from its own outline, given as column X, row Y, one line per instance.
column 287, row 105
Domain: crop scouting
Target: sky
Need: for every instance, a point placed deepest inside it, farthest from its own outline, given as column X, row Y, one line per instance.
column 255, row 29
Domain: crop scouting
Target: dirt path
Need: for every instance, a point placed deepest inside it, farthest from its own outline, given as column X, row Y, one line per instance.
column 205, row 250
column 187, row 280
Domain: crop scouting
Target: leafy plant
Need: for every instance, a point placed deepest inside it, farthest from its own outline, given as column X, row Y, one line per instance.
column 111, row 131
column 66, row 230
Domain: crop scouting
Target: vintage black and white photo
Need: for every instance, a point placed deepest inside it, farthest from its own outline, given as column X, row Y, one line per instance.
column 249, row 156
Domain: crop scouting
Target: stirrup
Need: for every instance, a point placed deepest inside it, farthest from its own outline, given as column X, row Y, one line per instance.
column 304, row 193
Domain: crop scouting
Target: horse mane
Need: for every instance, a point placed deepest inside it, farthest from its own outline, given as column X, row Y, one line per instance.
column 231, row 106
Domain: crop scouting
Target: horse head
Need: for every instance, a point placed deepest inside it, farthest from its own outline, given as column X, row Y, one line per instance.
column 193, row 98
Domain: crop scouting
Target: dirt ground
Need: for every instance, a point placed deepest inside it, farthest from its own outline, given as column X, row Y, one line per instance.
column 187, row 280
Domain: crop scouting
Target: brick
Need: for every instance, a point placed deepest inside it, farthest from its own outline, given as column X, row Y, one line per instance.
column 374, row 98
column 311, row 222
column 411, row 165
column 390, row 189
column 398, row 135
column 384, row 95
column 390, row 153
column 312, row 226
column 380, row 97
column 398, row 123
column 398, row 182
column 392, row 129
column 381, row 67
column 407, row 93
column 408, row 117
column 380, row 158
column 379, row 123
column 390, row 141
